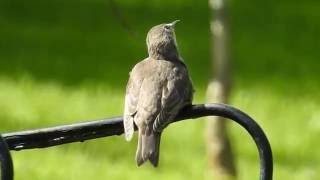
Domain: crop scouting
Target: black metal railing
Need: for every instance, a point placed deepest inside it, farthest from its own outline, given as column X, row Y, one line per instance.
column 79, row 132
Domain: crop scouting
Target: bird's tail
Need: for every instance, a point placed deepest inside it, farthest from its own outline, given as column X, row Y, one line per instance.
column 148, row 148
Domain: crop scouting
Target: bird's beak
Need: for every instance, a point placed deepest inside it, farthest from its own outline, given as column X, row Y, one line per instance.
column 173, row 23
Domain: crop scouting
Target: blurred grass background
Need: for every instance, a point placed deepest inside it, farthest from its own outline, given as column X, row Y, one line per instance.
column 63, row 61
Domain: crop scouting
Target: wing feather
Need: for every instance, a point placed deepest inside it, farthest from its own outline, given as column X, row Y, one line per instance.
column 177, row 93
column 131, row 101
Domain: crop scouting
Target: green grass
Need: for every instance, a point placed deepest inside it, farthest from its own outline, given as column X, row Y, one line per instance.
column 68, row 61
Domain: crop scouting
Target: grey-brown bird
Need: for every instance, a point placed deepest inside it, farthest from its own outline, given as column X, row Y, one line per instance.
column 158, row 88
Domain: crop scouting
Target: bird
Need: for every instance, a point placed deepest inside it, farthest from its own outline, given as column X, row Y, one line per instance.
column 158, row 88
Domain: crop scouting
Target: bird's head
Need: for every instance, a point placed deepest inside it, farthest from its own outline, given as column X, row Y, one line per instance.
column 161, row 42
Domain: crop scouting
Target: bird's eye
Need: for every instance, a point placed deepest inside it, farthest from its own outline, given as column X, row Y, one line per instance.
column 167, row 27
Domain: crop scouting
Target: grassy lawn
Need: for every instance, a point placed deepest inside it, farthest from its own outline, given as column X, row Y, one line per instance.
column 67, row 61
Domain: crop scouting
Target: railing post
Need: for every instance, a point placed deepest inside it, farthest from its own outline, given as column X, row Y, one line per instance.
column 6, row 168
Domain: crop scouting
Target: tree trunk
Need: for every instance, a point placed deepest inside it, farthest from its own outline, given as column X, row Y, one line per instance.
column 221, row 165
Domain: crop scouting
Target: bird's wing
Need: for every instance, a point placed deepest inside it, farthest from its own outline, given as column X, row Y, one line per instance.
column 131, row 101
column 176, row 93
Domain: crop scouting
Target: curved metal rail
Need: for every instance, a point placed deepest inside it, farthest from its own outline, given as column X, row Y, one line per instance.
column 79, row 132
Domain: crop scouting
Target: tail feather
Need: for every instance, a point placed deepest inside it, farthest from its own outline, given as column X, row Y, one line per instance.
column 148, row 148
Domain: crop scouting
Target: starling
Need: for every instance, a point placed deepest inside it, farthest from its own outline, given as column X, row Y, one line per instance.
column 158, row 88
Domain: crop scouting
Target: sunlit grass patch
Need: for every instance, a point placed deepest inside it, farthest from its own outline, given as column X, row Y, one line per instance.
column 28, row 103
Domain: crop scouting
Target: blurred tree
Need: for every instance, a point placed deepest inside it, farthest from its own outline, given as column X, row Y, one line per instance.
column 221, row 165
